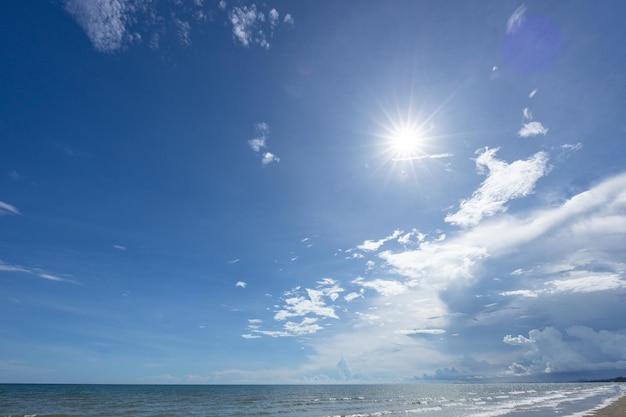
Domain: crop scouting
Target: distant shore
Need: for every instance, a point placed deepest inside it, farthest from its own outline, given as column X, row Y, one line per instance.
column 616, row 409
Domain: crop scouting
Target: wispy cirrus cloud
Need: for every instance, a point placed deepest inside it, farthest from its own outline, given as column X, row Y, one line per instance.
column 4, row 267
column 504, row 182
column 516, row 20
column 6, row 208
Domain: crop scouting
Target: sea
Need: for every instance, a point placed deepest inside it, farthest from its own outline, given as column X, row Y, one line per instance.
column 433, row 400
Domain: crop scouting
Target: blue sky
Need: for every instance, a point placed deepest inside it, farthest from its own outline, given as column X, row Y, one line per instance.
column 197, row 191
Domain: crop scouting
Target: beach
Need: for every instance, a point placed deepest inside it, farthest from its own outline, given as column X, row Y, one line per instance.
column 616, row 409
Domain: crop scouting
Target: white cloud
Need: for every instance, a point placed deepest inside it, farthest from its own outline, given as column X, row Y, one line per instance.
column 353, row 296
column 419, row 157
column 6, row 208
column 250, row 336
column 517, row 340
column 585, row 349
column 521, row 293
column 233, row 261
column 258, row 144
column 241, row 284
column 527, row 114
column 119, row 247
column 587, row 281
column 274, row 16
column 35, row 271
column 422, row 331
column 374, row 245
column 288, row 19
column 299, row 306
column 533, row 93
column 569, row 258
column 246, row 25
column 183, row 29
column 383, row 287
column 504, row 182
column 104, row 21
column 268, row 158
column 516, row 20
column 532, row 129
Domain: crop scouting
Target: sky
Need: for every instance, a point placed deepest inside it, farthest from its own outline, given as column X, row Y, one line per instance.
column 196, row 191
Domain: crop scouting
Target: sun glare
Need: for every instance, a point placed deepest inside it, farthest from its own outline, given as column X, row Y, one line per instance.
column 405, row 142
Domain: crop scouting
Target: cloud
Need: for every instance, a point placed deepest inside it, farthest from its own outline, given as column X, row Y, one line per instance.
column 258, row 144
column 246, row 23
column 533, row 93
column 419, row 157
column 374, row 245
column 527, row 114
column 562, row 256
column 35, row 271
column 241, row 284
column 119, row 247
column 547, row 351
column 233, row 261
column 183, row 29
column 381, row 286
column 532, row 129
column 250, row 26
column 104, row 21
column 516, row 20
column 268, row 158
column 504, row 182
column 6, row 208
column 309, row 306
column 274, row 16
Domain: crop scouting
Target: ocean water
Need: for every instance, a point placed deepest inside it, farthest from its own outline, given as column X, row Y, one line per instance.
column 432, row 400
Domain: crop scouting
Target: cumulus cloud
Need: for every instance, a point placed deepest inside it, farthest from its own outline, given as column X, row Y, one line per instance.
column 441, row 290
column 241, row 284
column 274, row 16
column 547, row 351
column 251, row 27
column 6, row 208
column 532, row 129
column 308, row 305
column 569, row 257
column 504, row 182
column 268, row 158
column 258, row 144
column 246, row 25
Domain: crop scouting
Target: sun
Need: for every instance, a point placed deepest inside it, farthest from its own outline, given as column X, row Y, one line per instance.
column 404, row 141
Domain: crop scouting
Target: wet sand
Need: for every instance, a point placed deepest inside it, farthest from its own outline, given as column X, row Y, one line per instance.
column 617, row 409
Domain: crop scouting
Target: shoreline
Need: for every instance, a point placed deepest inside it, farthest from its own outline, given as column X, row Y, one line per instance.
column 616, row 409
